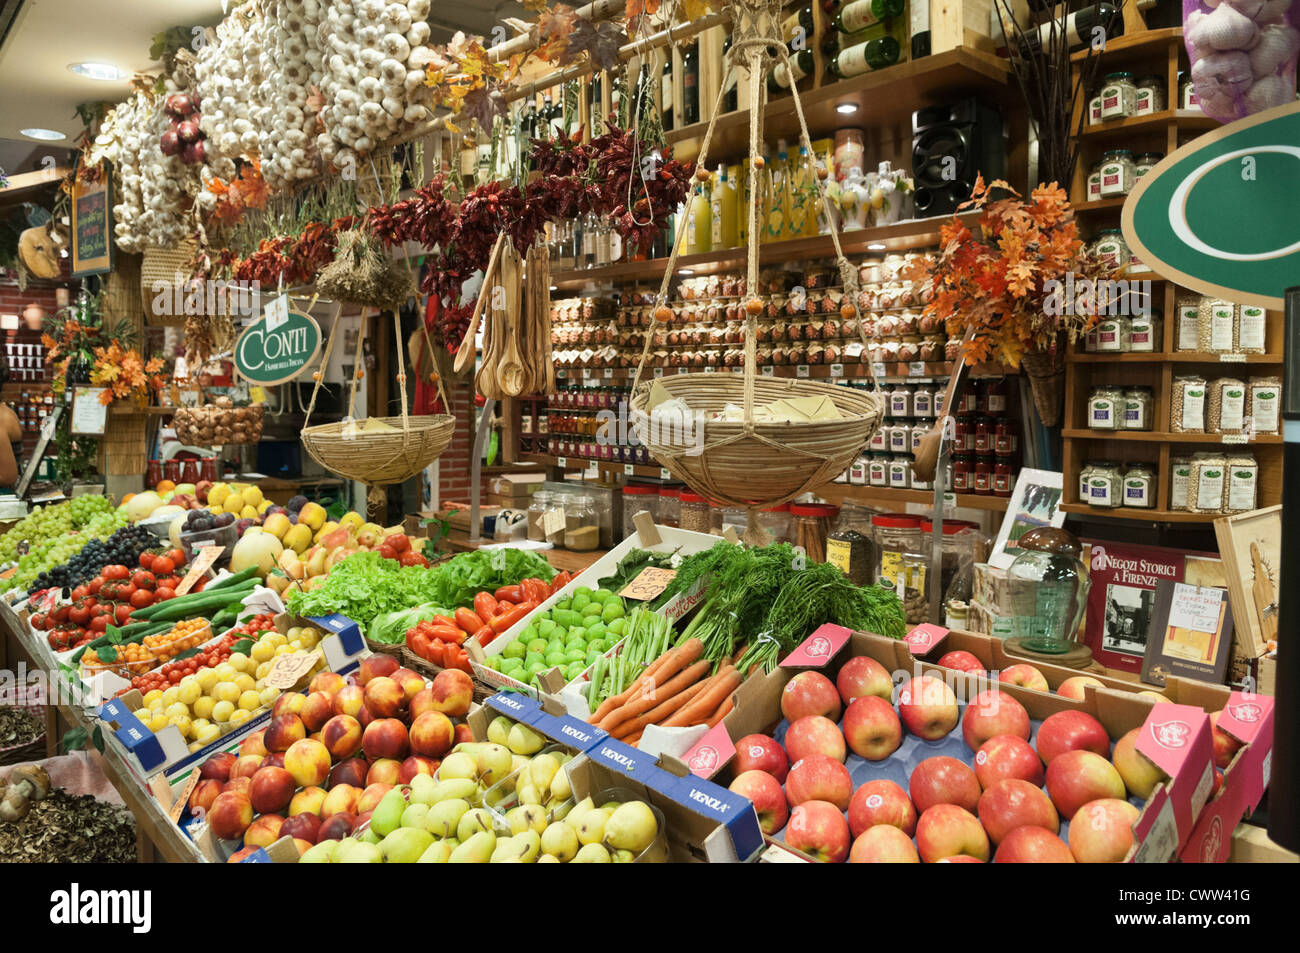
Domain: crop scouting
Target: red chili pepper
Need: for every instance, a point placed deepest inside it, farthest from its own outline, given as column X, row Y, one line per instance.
column 509, row 594
column 506, row 619
column 442, row 620
column 561, row 580
column 485, row 606
column 534, row 590
column 468, row 620
column 437, row 652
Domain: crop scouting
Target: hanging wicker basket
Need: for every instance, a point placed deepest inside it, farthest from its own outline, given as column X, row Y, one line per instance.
column 1046, row 373
column 122, row 303
column 159, row 271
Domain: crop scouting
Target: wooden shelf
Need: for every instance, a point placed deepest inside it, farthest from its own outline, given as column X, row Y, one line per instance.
column 1159, row 436
column 1140, row 45
column 1140, row 515
column 605, row 466
column 839, row 492
column 1156, row 123
column 1101, row 205
column 914, row 233
column 1178, row 357
column 883, row 97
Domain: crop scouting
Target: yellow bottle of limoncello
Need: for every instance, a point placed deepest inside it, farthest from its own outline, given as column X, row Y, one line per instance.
column 778, row 196
column 723, row 199
column 699, row 227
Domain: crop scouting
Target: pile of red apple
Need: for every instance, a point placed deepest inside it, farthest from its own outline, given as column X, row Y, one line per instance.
column 958, row 811
column 331, row 753
column 1026, row 676
column 184, row 139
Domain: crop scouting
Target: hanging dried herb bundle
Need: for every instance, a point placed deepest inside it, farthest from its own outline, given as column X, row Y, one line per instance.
column 361, row 274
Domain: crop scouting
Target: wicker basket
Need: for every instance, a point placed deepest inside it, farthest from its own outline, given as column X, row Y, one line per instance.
column 1046, row 373
column 160, row 267
column 33, row 750
column 384, row 648
column 776, row 461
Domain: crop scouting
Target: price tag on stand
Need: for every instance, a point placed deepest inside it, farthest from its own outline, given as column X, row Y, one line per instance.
column 629, row 469
column 710, row 369
column 287, row 670
column 837, row 370
column 1232, row 358
column 648, row 584
column 561, row 462
column 880, row 370
column 916, row 369
column 203, row 561
column 801, row 370
column 609, row 372
column 586, row 373
column 592, row 472
column 769, row 370
column 664, row 474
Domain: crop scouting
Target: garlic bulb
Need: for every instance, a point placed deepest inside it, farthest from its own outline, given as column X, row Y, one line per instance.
column 1243, row 56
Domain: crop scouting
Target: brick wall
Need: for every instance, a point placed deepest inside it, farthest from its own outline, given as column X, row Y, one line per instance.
column 454, row 466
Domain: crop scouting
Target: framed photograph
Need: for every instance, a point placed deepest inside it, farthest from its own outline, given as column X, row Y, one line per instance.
column 1250, row 545
column 1035, row 502
column 92, row 228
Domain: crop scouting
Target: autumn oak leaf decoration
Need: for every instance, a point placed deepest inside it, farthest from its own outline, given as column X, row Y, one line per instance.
column 483, row 104
column 600, row 42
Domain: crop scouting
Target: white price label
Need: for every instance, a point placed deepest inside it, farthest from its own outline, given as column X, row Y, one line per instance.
column 878, row 368
column 629, row 469
column 664, row 474
column 592, row 472
column 1232, row 358
column 586, row 373
column 837, row 370
column 737, row 370
column 710, row 370
column 561, row 461
column 916, row 369
column 609, row 372
column 683, row 370
column 802, row 370
column 769, row 371
column 1236, row 438
column 277, row 312
column 659, row 372
column 949, row 503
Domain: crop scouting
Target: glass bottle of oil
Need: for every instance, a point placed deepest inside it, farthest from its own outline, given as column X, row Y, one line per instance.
column 723, row 201
column 777, row 198
column 699, row 227
column 803, row 196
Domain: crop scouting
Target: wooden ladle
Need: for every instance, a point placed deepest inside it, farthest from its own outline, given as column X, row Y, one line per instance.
column 926, row 455
column 511, row 373
column 465, row 353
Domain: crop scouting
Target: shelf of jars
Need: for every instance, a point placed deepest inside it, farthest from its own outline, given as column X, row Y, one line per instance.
column 571, row 463
column 839, row 492
column 849, row 369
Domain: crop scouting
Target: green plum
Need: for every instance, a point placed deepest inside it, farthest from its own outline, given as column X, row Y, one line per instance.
column 515, row 650
column 595, row 631
column 613, row 610
column 573, row 671
column 617, row 626
column 581, row 601
column 536, row 645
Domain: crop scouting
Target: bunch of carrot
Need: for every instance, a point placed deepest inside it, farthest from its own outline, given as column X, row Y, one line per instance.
column 675, row 691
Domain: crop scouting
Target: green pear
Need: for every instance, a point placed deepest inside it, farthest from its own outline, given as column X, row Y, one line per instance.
column 467, row 747
column 542, row 769
column 473, row 822
column 358, row 852
column 499, row 729
column 557, row 810
column 592, row 854
column 450, row 789
column 561, row 841
column 416, row 815
column 405, row 845
column 523, row 740
column 560, row 786
column 494, row 763
column 519, row 762
column 548, row 859
column 529, row 846
column 622, row 857
column 445, row 815
column 591, row 829
column 574, row 816
column 632, row 827
column 504, row 851
column 369, row 836
column 388, row 814
column 322, row 853
column 458, row 765
column 451, row 842
column 527, row 817
column 437, row 853
column 610, row 805
column 476, row 850
column 423, row 789
column 528, row 793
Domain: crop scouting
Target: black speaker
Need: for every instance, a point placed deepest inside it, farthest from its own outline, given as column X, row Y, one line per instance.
column 950, row 146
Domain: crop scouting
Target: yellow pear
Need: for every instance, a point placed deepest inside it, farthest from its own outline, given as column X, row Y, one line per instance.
column 298, row 538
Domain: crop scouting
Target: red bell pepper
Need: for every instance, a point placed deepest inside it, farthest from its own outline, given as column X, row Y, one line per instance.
column 509, row 594
column 437, row 652
column 468, row 620
column 485, row 605
column 418, row 642
column 561, row 580
column 508, row 618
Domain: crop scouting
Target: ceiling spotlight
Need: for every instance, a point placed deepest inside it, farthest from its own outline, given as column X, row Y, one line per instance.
column 875, row 246
column 685, row 271
column 46, row 134
column 104, row 72
column 846, row 109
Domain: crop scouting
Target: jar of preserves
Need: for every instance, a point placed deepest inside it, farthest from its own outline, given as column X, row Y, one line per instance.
column 984, row 435
column 1139, row 486
column 1117, row 173
column 850, row 547
column 894, row 535
column 1005, row 438
column 637, row 498
column 963, row 440
column 1003, row 477
column 1149, row 95
column 1138, row 405
column 984, row 467
column 963, row 467
column 995, row 396
column 1117, row 96
column 153, row 474
column 1106, row 408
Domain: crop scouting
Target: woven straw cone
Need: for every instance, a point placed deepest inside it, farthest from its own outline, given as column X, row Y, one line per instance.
column 384, row 457
column 163, row 264
column 776, row 461
column 122, row 301
column 1047, row 381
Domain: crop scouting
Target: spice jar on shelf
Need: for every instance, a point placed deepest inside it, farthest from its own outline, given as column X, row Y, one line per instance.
column 695, row 515
column 894, row 534
column 537, row 507
column 810, row 525
column 849, row 545
column 1138, row 404
column 581, row 525
column 1139, row 486
column 1106, row 408
column 637, row 498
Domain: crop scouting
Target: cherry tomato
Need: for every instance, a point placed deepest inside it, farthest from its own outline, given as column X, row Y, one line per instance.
column 122, row 613
column 99, row 624
column 177, row 556
column 163, row 566
column 142, row 598
column 146, row 560
column 162, row 594
column 80, row 592
column 94, row 586
column 115, row 572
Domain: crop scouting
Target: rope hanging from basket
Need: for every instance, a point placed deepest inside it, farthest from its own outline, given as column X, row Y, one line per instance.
column 757, row 42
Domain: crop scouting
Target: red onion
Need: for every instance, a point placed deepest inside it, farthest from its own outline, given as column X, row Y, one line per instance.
column 195, row 153
column 188, row 131
column 170, row 143
column 179, row 105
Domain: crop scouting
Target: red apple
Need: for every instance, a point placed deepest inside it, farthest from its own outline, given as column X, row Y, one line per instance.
column 1070, row 731
column 810, row 693
column 881, row 802
column 819, row 830
column 947, row 830
column 872, row 728
column 992, row 713
column 384, row 697
column 1014, row 803
column 814, row 734
column 928, row 707
column 302, row 827
column 1102, row 831
column 1225, row 746
column 1077, row 777
column 761, row 753
column 768, row 798
column 372, row 666
column 1075, row 687
column 1139, row 772
column 353, row 771
column 960, row 859
column 962, row 661
column 883, row 845
column 1026, row 676
column 272, row 790
column 1007, row 756
column 863, row 675
column 943, row 780
column 819, row 778
column 1032, row 845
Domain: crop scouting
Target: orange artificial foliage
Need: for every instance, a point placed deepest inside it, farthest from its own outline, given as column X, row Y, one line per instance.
column 247, row 190
column 1004, row 280
column 125, row 374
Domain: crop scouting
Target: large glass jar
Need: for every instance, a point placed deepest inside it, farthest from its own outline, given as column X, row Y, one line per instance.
column 810, row 524
column 541, row 502
column 849, row 545
column 668, row 508
column 1144, row 332
column 1103, row 488
column 581, row 524
column 895, row 534
column 695, row 514
column 1118, row 173
column 1118, row 96
column 636, row 499
column 1106, row 408
column 1138, row 405
column 1139, row 486
column 1149, row 95
column 1047, row 587
column 776, row 522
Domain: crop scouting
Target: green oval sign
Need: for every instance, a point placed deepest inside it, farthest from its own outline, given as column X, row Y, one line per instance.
column 1219, row 214
column 273, row 357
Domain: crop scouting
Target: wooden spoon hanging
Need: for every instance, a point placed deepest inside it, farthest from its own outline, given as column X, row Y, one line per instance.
column 926, row 455
column 512, row 375
column 465, row 353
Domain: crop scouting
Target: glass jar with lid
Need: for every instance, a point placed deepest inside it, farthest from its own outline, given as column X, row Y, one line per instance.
column 900, row 472
column 694, row 512
column 555, row 519
column 984, row 468
column 1103, row 485
column 1085, row 473
column 1113, row 334
column 984, row 427
column 1138, row 405
column 957, row 550
column 668, row 508
column 1094, row 106
column 900, row 402
column 537, row 508
column 878, row 469
column 1139, row 486
column 1118, row 173
column 1111, row 248
column 1004, row 476
column 879, row 440
column 1106, row 408
column 1145, row 162
column 1144, row 332
column 923, row 401
column 1094, row 181
column 810, row 524
column 637, row 498
column 1187, row 92
column 1149, row 95
column 1005, row 438
column 581, row 524
column 1118, row 95
column 1047, row 590
column 776, row 522
column 850, row 547
column 894, row 534
column 963, row 469
column 900, row 438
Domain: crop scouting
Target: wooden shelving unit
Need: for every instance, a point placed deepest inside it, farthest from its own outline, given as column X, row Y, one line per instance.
column 1158, row 52
column 881, row 495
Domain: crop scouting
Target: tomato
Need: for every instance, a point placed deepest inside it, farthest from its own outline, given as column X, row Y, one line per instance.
column 146, row 560
column 101, row 610
column 399, row 542
column 177, row 556
column 163, row 566
column 79, row 615
column 40, row 622
column 412, row 558
column 122, row 613
column 561, row 580
column 99, row 624
column 94, row 585
column 485, row 605
column 506, row 594
column 142, row 598
column 163, row 593
column 60, row 614
column 80, row 592
column 437, row 648
column 144, row 580
column 115, row 572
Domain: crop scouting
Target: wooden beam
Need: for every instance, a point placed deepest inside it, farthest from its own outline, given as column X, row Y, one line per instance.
column 30, row 180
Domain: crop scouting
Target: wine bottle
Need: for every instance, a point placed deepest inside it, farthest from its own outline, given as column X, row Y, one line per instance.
column 666, row 92
column 731, row 98
column 919, row 22
column 691, row 84
column 874, row 54
column 799, row 25
column 780, row 79
column 861, row 14
column 1081, row 29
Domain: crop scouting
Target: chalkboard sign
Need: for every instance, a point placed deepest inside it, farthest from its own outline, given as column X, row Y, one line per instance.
column 92, row 229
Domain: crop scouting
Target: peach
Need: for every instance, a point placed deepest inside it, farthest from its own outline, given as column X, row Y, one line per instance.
column 264, row 831
column 883, row 845
column 1101, row 832
column 341, row 736
column 341, row 799
column 272, row 790
column 863, row 675
column 336, row 827
column 316, row 710
column 814, row 734
column 302, row 827
column 881, row 802
column 1014, row 803
column 385, row 771
column 416, row 764
column 943, row 780
column 241, row 785
column 302, row 845
column 364, row 716
column 307, row 801
column 204, row 793
column 245, row 766
column 239, row 856
column 349, row 771
column 254, row 744
column 453, row 692
column 432, row 734
column 308, row 761
column 819, row 778
column 349, row 701
column 371, row 796
column 412, row 683
column 1007, row 756
column 372, row 666
column 1032, row 845
column 992, row 713
column 385, row 738
column 463, row 733
column 230, row 815
column 274, row 760
column 217, row 768
column 283, row 731
column 422, row 702
column 810, row 693
column 331, row 683
column 384, row 697
column 947, row 830
column 289, row 703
